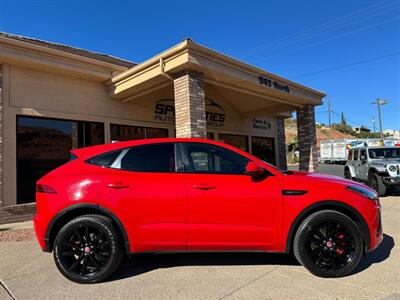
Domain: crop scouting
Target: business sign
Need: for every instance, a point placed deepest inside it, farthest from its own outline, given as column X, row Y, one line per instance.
column 263, row 124
column 273, row 84
column 164, row 111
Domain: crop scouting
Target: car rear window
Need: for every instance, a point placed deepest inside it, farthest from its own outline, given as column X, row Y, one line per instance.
column 104, row 160
column 150, row 158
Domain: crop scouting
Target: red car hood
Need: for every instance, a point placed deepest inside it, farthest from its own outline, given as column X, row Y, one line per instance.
column 322, row 177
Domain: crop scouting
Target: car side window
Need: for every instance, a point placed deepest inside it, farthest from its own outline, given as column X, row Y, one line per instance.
column 105, row 159
column 150, row 158
column 210, row 159
column 363, row 155
column 350, row 155
column 355, row 157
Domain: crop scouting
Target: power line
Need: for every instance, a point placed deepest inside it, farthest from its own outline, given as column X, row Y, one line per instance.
column 349, row 121
column 327, row 40
column 334, row 24
column 348, row 65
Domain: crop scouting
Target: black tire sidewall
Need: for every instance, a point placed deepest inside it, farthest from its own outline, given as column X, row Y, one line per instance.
column 300, row 250
column 116, row 253
column 381, row 188
column 347, row 173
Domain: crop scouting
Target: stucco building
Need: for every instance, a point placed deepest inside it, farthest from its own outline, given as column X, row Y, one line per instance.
column 54, row 98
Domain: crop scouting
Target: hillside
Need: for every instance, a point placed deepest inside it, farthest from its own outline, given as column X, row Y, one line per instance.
column 323, row 133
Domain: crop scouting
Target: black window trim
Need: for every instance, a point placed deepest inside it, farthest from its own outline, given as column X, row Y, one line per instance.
column 124, row 151
column 186, row 161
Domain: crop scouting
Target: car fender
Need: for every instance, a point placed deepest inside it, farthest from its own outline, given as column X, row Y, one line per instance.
column 328, row 204
column 73, row 211
column 352, row 170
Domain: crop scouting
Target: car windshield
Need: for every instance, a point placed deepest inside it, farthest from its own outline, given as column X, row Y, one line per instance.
column 384, row 153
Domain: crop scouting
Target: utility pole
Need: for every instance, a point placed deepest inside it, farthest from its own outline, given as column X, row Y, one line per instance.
column 329, row 111
column 373, row 122
column 380, row 102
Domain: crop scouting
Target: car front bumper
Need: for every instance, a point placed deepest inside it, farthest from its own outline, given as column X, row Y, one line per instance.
column 391, row 181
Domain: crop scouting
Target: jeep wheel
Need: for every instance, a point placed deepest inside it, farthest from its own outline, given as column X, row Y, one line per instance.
column 376, row 183
column 87, row 250
column 328, row 244
column 347, row 174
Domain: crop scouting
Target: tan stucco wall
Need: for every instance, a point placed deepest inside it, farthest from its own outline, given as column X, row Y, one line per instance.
column 38, row 93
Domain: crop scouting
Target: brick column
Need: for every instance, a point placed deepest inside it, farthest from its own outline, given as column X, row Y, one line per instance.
column 282, row 162
column 190, row 112
column 307, row 137
column 1, row 135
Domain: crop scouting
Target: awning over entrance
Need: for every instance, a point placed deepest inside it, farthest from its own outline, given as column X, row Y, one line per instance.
column 191, row 75
column 248, row 89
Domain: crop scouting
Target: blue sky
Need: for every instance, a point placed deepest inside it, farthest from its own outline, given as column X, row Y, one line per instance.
column 289, row 38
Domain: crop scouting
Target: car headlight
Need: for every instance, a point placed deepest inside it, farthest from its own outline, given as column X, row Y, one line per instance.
column 367, row 193
column 392, row 168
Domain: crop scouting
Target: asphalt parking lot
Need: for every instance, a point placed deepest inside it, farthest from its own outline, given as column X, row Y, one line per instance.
column 28, row 273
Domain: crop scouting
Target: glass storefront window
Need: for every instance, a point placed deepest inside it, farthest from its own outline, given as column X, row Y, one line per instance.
column 263, row 148
column 238, row 141
column 210, row 135
column 127, row 132
column 44, row 144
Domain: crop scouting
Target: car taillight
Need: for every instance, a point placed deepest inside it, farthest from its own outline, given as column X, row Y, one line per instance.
column 43, row 188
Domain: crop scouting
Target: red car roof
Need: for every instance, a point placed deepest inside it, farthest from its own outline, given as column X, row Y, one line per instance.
column 98, row 149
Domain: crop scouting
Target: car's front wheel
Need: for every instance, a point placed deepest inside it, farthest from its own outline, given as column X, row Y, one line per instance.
column 87, row 250
column 328, row 244
column 375, row 182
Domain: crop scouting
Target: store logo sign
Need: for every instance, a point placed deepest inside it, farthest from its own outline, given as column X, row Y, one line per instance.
column 263, row 124
column 164, row 111
column 273, row 84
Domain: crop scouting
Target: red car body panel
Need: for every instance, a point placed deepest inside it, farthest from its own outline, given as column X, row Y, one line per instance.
column 188, row 211
column 236, row 213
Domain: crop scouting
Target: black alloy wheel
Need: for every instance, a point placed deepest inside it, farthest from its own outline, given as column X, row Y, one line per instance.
column 329, row 244
column 87, row 249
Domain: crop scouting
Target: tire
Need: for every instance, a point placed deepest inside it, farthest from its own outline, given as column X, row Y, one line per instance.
column 328, row 244
column 87, row 249
column 375, row 182
column 347, row 174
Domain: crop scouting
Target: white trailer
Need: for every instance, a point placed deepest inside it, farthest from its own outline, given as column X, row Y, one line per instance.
column 339, row 150
column 325, row 150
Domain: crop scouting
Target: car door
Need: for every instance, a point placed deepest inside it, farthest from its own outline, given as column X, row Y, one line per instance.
column 356, row 162
column 227, row 209
column 362, row 168
column 146, row 193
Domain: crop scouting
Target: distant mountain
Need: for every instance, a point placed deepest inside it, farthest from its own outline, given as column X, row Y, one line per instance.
column 323, row 133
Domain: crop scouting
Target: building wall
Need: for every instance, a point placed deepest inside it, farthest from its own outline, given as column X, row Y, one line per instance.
column 32, row 92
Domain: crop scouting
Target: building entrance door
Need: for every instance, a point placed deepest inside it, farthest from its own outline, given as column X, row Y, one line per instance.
column 263, row 148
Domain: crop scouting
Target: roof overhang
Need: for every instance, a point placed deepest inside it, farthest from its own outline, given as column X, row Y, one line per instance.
column 25, row 54
column 218, row 69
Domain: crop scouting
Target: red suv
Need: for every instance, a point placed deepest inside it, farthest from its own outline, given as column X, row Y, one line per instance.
column 197, row 195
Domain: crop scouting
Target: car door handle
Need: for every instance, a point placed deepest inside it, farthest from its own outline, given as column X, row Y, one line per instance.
column 203, row 187
column 117, row 185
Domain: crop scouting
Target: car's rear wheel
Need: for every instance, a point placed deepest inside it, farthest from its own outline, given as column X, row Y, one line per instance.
column 347, row 174
column 328, row 244
column 375, row 182
column 87, row 249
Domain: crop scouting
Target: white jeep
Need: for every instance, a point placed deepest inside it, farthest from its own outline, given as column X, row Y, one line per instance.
column 379, row 167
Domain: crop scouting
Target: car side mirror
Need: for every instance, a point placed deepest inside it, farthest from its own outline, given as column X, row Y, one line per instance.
column 254, row 170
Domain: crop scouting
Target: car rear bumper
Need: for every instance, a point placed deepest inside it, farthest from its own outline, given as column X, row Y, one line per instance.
column 376, row 232
column 40, row 229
